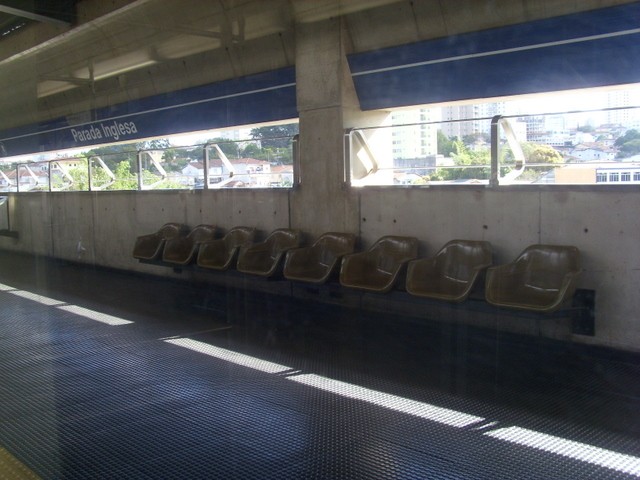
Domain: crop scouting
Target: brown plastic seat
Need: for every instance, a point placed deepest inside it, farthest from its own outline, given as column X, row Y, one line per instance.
column 315, row 264
column 264, row 258
column 378, row 268
column 452, row 273
column 150, row 246
column 542, row 278
column 220, row 254
column 182, row 250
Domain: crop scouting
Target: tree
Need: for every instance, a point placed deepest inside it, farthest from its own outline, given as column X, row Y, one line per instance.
column 534, row 153
column 628, row 144
column 465, row 157
column 445, row 144
column 112, row 155
column 477, row 137
column 125, row 180
column 629, row 135
column 275, row 136
column 156, row 144
column 228, row 147
column 630, row 148
column 252, row 151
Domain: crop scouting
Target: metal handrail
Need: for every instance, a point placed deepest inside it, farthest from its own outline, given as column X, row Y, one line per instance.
column 155, row 156
column 297, row 168
column 65, row 175
column 370, row 163
column 107, row 171
column 225, row 161
column 6, row 179
column 29, row 171
column 495, row 179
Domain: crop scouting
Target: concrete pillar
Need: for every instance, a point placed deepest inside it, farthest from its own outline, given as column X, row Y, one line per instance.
column 327, row 104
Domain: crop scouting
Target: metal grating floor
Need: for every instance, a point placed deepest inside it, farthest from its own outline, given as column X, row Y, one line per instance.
column 261, row 388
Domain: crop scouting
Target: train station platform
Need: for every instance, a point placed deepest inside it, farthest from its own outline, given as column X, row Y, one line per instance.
column 109, row 374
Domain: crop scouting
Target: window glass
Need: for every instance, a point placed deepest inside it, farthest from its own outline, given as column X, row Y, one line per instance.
column 579, row 137
column 254, row 157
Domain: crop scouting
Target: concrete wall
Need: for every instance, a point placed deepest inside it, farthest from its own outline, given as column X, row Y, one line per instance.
column 604, row 225
column 106, row 224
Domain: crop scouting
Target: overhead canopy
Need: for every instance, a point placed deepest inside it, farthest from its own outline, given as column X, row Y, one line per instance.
column 589, row 49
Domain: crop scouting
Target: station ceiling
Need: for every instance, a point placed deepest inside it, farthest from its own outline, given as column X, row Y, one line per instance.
column 61, row 57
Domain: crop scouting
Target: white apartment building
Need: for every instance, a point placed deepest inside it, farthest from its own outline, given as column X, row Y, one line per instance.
column 414, row 141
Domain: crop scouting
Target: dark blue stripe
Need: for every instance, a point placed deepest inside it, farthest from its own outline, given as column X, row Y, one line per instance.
column 598, row 22
column 253, row 106
column 607, row 61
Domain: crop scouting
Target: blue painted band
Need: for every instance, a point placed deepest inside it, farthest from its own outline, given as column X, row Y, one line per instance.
column 264, row 97
column 574, row 51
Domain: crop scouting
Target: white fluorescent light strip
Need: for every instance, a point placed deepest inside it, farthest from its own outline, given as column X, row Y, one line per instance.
column 4, row 288
column 37, row 298
column 229, row 355
column 93, row 315
column 445, row 416
column 569, row 448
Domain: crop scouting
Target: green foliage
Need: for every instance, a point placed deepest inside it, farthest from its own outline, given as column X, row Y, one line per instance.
column 112, row 155
column 266, row 134
column 445, row 144
column 252, row 151
column 628, row 144
column 122, row 159
column 229, row 148
column 125, row 180
column 534, row 153
column 629, row 135
column 176, row 164
column 475, row 138
column 419, row 181
column 465, row 157
column 630, row 148
column 156, row 144
column 586, row 129
column 79, row 178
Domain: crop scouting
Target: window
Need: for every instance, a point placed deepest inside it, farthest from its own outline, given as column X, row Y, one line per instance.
column 259, row 157
column 555, row 143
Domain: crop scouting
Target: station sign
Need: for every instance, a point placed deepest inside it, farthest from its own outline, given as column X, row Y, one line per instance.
column 264, row 97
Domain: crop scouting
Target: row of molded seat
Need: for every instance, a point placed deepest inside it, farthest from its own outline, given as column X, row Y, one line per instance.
column 542, row 278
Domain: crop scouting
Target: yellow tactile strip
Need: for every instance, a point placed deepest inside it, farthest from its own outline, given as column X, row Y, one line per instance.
column 12, row 469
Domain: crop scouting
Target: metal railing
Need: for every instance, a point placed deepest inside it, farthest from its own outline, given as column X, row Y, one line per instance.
column 496, row 151
column 204, row 166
